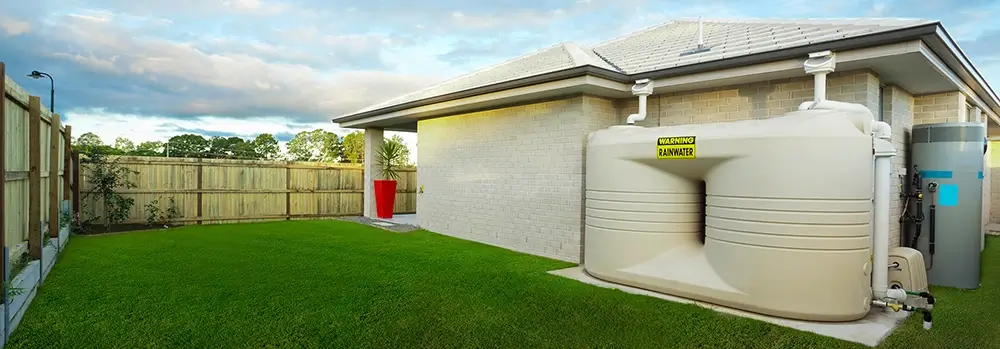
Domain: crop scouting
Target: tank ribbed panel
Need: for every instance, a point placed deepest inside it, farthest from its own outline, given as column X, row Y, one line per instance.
column 644, row 212
column 791, row 223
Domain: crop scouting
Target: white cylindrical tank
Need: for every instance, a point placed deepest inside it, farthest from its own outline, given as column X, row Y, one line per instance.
column 771, row 216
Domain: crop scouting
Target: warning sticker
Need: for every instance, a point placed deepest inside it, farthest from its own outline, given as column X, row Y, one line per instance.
column 676, row 147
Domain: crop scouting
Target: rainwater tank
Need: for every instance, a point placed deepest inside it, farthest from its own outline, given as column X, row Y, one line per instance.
column 771, row 216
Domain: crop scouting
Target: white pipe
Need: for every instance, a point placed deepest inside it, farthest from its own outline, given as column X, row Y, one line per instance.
column 880, row 247
column 884, row 151
column 819, row 86
column 642, row 112
column 701, row 36
column 819, row 64
column 642, row 88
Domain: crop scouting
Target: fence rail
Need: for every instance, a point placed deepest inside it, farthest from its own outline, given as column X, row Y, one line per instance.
column 213, row 191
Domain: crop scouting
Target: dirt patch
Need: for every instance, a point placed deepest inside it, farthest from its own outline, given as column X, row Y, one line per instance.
column 390, row 226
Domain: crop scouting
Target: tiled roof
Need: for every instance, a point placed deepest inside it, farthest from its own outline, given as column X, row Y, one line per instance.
column 662, row 47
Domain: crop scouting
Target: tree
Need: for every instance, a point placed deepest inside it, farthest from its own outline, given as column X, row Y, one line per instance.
column 90, row 144
column 152, row 148
column 265, row 146
column 354, row 147
column 124, row 145
column 404, row 157
column 89, row 139
column 106, row 178
column 228, row 147
column 187, row 145
column 315, row 145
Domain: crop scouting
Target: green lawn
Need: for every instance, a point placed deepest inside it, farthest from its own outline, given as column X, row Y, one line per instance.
column 325, row 284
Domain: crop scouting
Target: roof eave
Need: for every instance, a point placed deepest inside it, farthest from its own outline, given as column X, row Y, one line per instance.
column 928, row 31
column 527, row 81
column 965, row 67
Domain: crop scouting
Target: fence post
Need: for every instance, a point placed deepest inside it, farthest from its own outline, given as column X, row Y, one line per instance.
column 67, row 163
column 200, row 187
column 76, row 184
column 3, row 171
column 35, row 177
column 54, row 136
column 288, row 192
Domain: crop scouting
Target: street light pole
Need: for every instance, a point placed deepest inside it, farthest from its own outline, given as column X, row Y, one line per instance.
column 52, row 88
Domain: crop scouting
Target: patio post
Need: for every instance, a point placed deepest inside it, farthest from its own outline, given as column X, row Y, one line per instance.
column 373, row 139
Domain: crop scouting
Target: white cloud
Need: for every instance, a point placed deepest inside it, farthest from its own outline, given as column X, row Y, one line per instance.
column 13, row 27
column 245, row 82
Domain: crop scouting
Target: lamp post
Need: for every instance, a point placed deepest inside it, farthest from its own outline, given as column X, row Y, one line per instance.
column 52, row 88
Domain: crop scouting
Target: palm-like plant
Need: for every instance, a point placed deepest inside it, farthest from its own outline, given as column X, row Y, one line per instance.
column 389, row 156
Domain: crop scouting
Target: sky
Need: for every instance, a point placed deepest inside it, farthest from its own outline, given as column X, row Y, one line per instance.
column 152, row 69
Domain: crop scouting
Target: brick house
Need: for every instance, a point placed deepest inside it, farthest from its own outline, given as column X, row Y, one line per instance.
column 502, row 149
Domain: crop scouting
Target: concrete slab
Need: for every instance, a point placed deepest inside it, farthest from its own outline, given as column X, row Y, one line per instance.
column 993, row 229
column 869, row 331
column 408, row 219
column 390, row 226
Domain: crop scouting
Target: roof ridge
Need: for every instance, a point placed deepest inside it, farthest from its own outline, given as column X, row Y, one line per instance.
column 583, row 57
column 617, row 68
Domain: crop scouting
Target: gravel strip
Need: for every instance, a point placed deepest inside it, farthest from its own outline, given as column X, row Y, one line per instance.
column 399, row 228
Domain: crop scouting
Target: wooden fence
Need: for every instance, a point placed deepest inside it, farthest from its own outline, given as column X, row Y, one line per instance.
column 35, row 155
column 208, row 191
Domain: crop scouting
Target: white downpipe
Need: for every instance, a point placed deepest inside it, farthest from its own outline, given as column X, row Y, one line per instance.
column 819, row 64
column 642, row 107
column 642, row 88
column 819, row 86
column 880, row 247
column 884, row 151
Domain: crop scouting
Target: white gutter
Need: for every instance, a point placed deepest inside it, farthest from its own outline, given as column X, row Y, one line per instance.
column 642, row 88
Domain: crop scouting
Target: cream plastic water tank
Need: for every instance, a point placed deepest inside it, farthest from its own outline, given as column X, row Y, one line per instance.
column 771, row 216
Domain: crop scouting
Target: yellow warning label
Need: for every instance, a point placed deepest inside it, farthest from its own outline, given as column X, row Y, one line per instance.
column 676, row 147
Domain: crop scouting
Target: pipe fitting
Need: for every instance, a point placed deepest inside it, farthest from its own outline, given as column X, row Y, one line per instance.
column 823, row 62
column 819, row 64
column 642, row 88
column 896, row 293
column 881, row 130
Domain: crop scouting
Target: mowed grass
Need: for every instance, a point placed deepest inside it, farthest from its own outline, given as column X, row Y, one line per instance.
column 325, row 284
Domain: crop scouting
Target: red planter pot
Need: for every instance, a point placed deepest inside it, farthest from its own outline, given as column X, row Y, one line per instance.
column 385, row 197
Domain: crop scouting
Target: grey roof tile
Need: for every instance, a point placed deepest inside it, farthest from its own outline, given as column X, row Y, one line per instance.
column 661, row 47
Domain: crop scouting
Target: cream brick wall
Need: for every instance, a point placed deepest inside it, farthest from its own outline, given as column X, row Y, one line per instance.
column 939, row 107
column 898, row 107
column 510, row 177
column 754, row 100
column 513, row 177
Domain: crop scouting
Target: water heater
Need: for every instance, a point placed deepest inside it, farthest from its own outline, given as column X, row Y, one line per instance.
column 949, row 158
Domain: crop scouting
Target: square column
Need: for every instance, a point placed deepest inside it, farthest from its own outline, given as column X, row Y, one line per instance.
column 373, row 171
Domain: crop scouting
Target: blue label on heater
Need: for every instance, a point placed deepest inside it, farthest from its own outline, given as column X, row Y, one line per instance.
column 948, row 195
column 936, row 174
column 980, row 174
